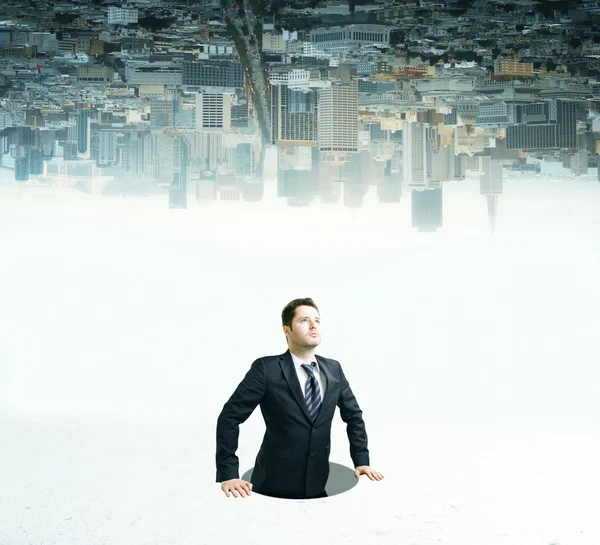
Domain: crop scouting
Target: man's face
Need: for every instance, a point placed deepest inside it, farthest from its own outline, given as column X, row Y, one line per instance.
column 306, row 328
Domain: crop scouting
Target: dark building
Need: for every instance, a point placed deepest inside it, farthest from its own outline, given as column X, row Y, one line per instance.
column 365, row 86
column 293, row 114
column 544, row 125
column 213, row 74
column 22, row 136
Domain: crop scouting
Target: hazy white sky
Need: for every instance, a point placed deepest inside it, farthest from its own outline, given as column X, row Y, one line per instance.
column 125, row 326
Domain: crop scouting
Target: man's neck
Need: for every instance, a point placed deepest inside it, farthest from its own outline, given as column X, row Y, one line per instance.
column 306, row 356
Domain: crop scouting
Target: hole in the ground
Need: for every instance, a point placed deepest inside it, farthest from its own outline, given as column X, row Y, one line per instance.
column 341, row 479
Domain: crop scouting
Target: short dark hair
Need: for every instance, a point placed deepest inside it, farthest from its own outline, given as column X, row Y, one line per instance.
column 289, row 311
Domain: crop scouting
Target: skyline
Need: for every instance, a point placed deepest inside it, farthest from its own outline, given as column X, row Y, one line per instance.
column 134, row 108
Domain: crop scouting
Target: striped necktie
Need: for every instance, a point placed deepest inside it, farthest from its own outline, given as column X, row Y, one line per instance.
column 313, row 393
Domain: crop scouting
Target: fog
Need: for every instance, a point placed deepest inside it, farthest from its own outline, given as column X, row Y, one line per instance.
column 472, row 351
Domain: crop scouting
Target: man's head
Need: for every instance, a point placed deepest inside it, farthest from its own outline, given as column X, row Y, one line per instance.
column 301, row 322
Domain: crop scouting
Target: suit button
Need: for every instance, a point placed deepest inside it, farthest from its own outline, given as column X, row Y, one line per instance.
column 313, row 431
column 312, row 452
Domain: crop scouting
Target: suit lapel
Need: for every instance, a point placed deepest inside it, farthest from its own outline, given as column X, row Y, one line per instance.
column 289, row 372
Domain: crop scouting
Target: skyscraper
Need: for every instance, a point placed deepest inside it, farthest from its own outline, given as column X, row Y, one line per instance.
column 178, row 187
column 427, row 209
column 83, row 129
column 213, row 111
column 415, row 155
column 294, row 115
column 491, row 186
column 555, row 126
column 338, row 118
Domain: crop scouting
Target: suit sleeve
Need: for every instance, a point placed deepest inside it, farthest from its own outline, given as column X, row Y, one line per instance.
column 236, row 411
column 352, row 415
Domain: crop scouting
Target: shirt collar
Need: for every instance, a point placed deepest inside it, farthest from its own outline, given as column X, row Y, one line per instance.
column 298, row 362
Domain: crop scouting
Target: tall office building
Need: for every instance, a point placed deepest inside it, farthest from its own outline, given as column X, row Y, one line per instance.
column 580, row 162
column 491, row 181
column 132, row 151
column 294, row 116
column 239, row 113
column 426, row 208
column 208, row 150
column 178, row 187
column 297, row 185
column 491, row 186
column 84, row 117
column 338, row 118
column 389, row 189
column 555, row 126
column 22, row 168
column 36, row 163
column 69, row 150
column 213, row 111
column 164, row 111
column 103, row 144
column 414, row 138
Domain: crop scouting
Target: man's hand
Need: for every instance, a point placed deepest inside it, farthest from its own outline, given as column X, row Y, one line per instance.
column 369, row 472
column 236, row 486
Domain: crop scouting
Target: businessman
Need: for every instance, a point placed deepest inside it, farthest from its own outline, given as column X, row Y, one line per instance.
column 297, row 392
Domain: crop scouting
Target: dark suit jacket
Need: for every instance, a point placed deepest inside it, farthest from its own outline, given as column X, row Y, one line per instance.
column 293, row 460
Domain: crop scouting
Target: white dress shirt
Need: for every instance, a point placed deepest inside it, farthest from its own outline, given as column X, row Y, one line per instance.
column 303, row 375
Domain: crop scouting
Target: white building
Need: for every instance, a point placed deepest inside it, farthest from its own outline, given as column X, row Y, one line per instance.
column 213, row 111
column 121, row 16
column 338, row 40
column 338, row 118
column 312, row 50
column 292, row 78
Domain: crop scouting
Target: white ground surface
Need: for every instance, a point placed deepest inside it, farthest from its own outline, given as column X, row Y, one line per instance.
column 124, row 327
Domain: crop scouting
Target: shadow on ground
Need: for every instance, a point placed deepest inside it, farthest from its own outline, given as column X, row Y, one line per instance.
column 341, row 479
